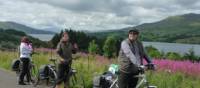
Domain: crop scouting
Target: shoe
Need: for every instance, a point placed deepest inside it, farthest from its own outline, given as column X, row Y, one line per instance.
column 33, row 81
column 21, row 83
column 28, row 83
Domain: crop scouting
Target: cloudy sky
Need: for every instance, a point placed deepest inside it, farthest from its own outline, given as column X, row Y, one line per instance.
column 92, row 14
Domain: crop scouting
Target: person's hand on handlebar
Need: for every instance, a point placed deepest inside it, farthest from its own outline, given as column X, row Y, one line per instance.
column 62, row 60
column 151, row 66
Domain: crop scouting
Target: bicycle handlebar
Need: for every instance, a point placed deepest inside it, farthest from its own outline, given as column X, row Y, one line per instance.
column 150, row 66
column 53, row 60
column 142, row 68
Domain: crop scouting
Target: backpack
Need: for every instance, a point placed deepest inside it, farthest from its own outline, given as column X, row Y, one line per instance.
column 43, row 72
column 103, row 81
column 106, row 80
column 15, row 66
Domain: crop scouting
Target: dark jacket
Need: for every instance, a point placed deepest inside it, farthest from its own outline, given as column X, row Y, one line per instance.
column 65, row 51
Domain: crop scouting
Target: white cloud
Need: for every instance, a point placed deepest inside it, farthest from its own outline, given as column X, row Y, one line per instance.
column 92, row 14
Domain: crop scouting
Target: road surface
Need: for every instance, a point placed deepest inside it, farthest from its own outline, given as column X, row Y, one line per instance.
column 8, row 79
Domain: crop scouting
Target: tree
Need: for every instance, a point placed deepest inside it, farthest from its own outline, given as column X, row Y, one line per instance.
column 55, row 40
column 10, row 38
column 191, row 55
column 93, row 47
column 109, row 47
column 173, row 56
column 78, row 37
column 153, row 52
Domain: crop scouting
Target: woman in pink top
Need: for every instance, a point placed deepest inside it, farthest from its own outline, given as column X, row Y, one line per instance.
column 25, row 54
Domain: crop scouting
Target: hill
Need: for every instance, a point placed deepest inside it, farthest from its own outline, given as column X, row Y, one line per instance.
column 23, row 28
column 10, row 39
column 182, row 29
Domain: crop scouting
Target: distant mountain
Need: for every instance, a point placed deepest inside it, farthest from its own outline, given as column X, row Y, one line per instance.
column 53, row 29
column 182, row 28
column 10, row 39
column 187, row 23
column 23, row 28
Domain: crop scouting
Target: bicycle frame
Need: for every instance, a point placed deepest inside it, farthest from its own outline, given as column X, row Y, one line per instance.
column 114, row 83
column 142, row 78
column 32, row 71
column 72, row 74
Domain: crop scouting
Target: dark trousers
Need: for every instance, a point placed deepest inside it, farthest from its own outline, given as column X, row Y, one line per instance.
column 28, row 75
column 127, row 80
column 63, row 73
column 25, row 69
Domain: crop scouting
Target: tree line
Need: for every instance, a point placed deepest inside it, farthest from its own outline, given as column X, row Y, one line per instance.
column 90, row 44
column 109, row 46
column 190, row 55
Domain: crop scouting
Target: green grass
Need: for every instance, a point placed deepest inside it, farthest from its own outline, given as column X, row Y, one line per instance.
column 172, row 80
column 88, row 67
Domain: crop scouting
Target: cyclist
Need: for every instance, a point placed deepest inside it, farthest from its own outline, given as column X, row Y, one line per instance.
column 130, row 58
column 25, row 53
column 65, row 50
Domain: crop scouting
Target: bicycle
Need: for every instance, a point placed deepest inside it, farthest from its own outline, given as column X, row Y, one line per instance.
column 141, row 76
column 17, row 67
column 47, row 73
column 50, row 75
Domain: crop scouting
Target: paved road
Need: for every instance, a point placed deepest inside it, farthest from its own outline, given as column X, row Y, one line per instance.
column 8, row 79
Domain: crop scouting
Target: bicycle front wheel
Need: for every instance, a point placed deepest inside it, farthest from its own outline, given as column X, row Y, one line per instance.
column 52, row 77
column 77, row 81
column 46, row 77
column 33, row 74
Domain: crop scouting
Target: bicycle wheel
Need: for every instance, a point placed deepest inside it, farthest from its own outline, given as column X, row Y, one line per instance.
column 33, row 73
column 46, row 76
column 15, row 66
column 18, row 71
column 52, row 76
column 76, row 79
